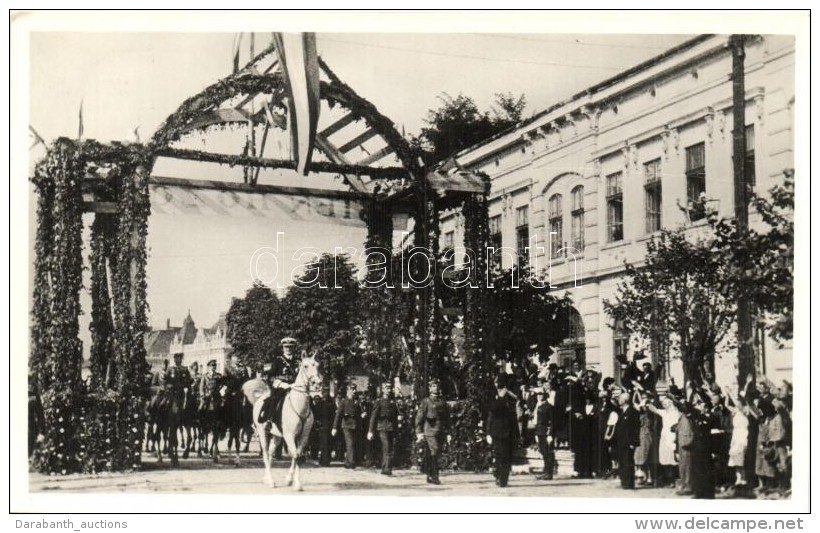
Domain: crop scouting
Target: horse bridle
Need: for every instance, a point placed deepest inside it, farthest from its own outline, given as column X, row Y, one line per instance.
column 302, row 389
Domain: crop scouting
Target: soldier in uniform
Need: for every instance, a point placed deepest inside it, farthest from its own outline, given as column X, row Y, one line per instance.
column 178, row 383
column 385, row 420
column 235, row 376
column 502, row 430
column 281, row 375
column 209, row 387
column 432, row 423
column 158, row 398
column 210, row 405
column 347, row 416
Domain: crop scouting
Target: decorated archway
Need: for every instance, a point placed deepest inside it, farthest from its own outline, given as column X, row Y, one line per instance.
column 286, row 91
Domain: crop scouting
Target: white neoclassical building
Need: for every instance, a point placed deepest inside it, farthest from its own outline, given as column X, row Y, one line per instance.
column 604, row 170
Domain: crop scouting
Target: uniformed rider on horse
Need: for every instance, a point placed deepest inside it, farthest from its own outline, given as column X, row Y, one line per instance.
column 280, row 377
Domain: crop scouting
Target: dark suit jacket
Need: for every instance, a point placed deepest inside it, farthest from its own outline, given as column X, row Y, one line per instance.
column 502, row 422
column 627, row 429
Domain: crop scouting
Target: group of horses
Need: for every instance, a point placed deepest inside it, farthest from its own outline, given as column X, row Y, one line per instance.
column 191, row 424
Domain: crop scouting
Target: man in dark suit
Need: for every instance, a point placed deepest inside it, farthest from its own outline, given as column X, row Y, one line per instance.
column 384, row 419
column 432, row 423
column 544, row 431
column 324, row 411
column 347, row 416
column 627, row 438
column 502, row 430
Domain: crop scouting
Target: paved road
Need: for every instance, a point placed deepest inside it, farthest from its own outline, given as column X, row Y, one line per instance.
column 201, row 476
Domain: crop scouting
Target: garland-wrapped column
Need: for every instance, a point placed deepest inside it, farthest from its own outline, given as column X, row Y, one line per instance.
column 428, row 313
column 130, row 307
column 101, row 322
column 380, row 319
column 56, row 356
column 476, row 313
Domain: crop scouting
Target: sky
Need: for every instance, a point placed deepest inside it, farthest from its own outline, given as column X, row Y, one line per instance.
column 136, row 79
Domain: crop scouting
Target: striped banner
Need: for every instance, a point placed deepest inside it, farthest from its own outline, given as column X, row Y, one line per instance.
column 300, row 65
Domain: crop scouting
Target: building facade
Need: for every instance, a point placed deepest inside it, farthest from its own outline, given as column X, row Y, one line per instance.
column 580, row 187
column 196, row 344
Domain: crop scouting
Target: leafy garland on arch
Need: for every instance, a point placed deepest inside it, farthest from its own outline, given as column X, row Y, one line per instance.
column 101, row 428
column 469, row 449
column 56, row 353
column 334, row 92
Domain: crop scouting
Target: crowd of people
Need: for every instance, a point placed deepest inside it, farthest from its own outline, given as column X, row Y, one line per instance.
column 701, row 438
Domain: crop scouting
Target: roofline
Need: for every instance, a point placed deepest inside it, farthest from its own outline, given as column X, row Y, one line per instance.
column 598, row 87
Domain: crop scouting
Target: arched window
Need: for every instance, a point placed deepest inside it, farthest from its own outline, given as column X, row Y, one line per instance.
column 556, row 220
column 577, row 226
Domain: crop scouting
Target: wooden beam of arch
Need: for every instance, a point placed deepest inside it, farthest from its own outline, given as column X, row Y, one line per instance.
column 316, row 166
column 334, row 92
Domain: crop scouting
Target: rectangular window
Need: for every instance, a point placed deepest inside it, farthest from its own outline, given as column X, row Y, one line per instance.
column 696, row 181
column 556, row 219
column 750, row 156
column 577, row 228
column 615, row 207
column 522, row 234
column 495, row 242
column 620, row 346
column 652, row 186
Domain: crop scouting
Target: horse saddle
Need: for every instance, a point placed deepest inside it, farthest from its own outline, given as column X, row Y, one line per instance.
column 271, row 410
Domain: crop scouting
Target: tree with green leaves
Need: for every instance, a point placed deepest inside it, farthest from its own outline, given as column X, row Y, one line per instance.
column 525, row 313
column 762, row 262
column 458, row 123
column 254, row 326
column 321, row 311
column 687, row 290
column 678, row 293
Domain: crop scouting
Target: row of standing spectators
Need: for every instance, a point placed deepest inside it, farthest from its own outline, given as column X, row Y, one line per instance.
column 700, row 439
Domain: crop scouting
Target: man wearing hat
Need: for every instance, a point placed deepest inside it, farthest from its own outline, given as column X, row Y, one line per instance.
column 347, row 416
column 502, row 430
column 281, row 374
column 385, row 420
column 433, row 422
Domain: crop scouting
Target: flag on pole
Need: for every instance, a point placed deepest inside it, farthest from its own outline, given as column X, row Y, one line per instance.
column 300, row 65
column 237, row 42
column 80, row 127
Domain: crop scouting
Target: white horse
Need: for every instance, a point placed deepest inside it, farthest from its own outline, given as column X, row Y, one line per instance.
column 297, row 421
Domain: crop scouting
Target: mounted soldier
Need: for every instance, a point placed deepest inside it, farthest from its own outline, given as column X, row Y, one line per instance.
column 210, row 405
column 281, row 375
column 178, row 383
